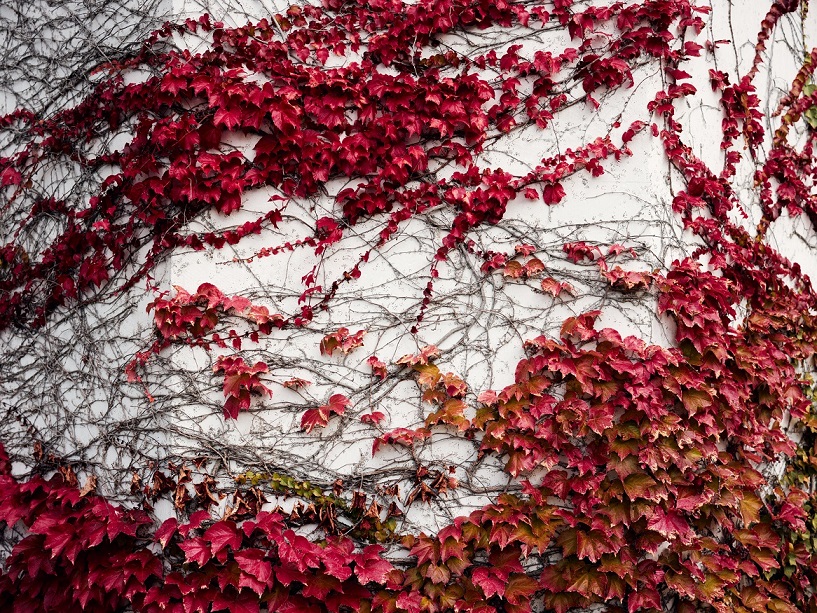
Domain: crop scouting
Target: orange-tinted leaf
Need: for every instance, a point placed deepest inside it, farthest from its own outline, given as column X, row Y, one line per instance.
column 592, row 545
column 555, row 288
column 378, row 367
column 694, row 400
column 514, row 269
column 639, row 485
column 750, row 506
column 589, row 583
column 533, row 267
column 429, row 375
column 520, row 588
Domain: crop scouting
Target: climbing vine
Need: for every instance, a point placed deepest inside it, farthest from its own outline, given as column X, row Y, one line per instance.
column 623, row 472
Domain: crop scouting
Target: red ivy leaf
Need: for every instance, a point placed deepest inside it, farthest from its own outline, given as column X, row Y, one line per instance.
column 341, row 340
column 337, row 404
column 489, row 581
column 296, row 383
column 10, row 176
column 400, row 436
column 378, row 367
column 592, row 545
column 552, row 193
column 669, row 524
column 644, row 598
column 578, row 251
column 166, row 532
column 627, row 280
column 336, row 558
column 240, row 602
column 196, row 550
column 319, row 417
column 555, row 288
column 581, row 326
column 252, row 562
column 370, row 566
column 314, row 418
column 533, row 267
column 373, row 418
column 221, row 534
column 426, row 354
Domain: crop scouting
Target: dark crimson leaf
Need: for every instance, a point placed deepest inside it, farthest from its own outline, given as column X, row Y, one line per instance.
column 242, row 602
column 166, row 532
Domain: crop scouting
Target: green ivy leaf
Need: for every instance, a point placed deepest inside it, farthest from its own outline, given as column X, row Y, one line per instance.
column 811, row 113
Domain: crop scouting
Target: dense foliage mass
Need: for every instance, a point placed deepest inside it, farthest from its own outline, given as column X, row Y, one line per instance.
column 641, row 469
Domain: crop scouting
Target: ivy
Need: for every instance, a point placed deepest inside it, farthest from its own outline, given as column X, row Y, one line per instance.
column 639, row 470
